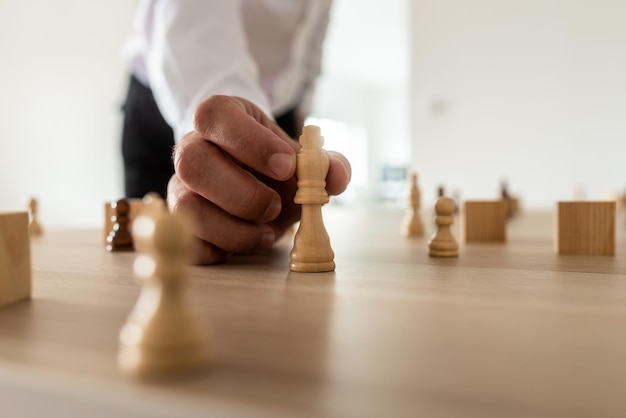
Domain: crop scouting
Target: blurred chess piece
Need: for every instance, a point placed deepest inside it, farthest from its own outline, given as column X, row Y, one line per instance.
column 152, row 203
column 152, row 208
column 506, row 197
column 34, row 228
column 119, row 238
column 443, row 243
column 311, row 251
column 412, row 225
column 163, row 336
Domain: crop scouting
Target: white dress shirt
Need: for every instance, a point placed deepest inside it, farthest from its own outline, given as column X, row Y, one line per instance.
column 266, row 51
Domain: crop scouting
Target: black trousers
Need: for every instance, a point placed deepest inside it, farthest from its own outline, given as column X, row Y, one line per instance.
column 147, row 142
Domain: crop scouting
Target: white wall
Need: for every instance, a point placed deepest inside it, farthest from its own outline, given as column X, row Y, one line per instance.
column 365, row 81
column 62, row 81
column 532, row 91
column 529, row 90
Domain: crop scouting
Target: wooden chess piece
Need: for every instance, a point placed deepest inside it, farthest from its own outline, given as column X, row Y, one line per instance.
column 152, row 208
column 443, row 243
column 163, row 336
column 506, row 197
column 153, row 200
column 120, row 239
column 34, row 228
column 311, row 251
column 412, row 225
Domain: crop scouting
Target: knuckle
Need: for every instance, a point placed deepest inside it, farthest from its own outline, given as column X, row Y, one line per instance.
column 180, row 150
column 253, row 203
column 181, row 153
column 184, row 161
column 207, row 113
column 184, row 201
column 203, row 253
column 173, row 189
column 245, row 242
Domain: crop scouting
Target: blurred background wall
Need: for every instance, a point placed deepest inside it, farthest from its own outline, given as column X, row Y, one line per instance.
column 529, row 90
column 466, row 93
column 61, row 87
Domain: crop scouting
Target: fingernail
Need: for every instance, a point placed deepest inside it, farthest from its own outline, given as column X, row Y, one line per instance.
column 281, row 165
column 272, row 210
column 267, row 240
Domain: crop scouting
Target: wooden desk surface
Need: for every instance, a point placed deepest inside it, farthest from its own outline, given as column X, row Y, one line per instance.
column 504, row 330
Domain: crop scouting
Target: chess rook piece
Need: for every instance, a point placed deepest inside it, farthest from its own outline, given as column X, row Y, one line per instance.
column 311, row 251
column 34, row 228
column 120, row 239
column 163, row 336
column 442, row 243
column 412, row 225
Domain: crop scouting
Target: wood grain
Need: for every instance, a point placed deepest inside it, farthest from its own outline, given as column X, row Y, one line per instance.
column 484, row 221
column 15, row 272
column 586, row 228
column 502, row 330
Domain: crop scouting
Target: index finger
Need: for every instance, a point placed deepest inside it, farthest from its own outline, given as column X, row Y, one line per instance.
column 244, row 132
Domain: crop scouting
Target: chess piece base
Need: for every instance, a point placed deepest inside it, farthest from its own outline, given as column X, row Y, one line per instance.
column 413, row 231
column 312, row 267
column 443, row 248
column 160, row 362
column 443, row 253
column 117, row 248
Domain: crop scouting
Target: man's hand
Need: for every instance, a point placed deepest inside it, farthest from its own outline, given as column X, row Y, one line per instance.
column 235, row 179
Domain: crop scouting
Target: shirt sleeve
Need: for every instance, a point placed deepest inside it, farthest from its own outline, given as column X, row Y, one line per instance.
column 198, row 49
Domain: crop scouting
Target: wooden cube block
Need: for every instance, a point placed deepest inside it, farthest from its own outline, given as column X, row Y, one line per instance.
column 586, row 228
column 484, row 221
column 15, row 271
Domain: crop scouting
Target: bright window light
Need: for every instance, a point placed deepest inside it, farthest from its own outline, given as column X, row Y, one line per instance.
column 351, row 141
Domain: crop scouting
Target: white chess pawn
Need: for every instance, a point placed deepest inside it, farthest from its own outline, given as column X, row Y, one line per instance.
column 152, row 208
column 412, row 225
column 443, row 243
column 34, row 228
column 162, row 335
